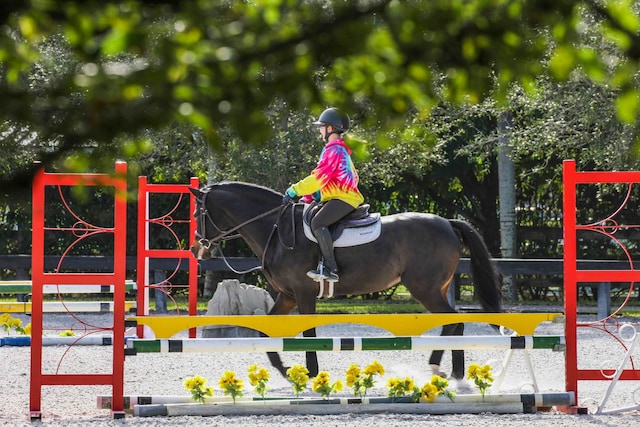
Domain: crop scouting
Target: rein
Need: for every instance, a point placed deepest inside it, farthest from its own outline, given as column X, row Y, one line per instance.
column 228, row 234
column 273, row 229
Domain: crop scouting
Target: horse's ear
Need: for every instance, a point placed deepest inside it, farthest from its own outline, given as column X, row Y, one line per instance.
column 196, row 192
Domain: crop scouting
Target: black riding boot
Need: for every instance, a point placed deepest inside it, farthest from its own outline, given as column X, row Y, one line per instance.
column 327, row 270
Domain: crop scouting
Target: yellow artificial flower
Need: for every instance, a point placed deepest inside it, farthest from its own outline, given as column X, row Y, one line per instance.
column 257, row 374
column 481, row 376
column 473, row 371
column 401, row 387
column 322, row 384
column 194, row 382
column 352, row 374
column 231, row 385
column 375, row 368
column 229, row 380
column 258, row 377
column 409, row 383
column 441, row 384
column 321, row 380
column 8, row 322
column 430, row 392
column 299, row 377
column 393, row 382
column 487, row 373
column 361, row 381
column 197, row 386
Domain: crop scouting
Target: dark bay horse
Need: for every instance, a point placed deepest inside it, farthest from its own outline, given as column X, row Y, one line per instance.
column 419, row 250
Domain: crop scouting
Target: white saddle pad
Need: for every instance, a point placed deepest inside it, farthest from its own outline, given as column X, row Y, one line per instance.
column 350, row 236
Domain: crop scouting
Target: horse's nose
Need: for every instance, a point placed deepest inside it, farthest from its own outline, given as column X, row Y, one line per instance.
column 195, row 248
column 199, row 251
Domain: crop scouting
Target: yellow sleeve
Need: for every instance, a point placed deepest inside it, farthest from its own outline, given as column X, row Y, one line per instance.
column 308, row 185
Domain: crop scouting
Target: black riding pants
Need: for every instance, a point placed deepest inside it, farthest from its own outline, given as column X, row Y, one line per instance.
column 331, row 212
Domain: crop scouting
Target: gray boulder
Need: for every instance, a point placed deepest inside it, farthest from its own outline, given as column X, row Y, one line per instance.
column 235, row 298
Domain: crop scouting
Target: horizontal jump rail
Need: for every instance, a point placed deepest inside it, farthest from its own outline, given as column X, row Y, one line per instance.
column 293, row 407
column 64, row 307
column 531, row 401
column 429, row 343
column 463, row 404
column 92, row 340
column 508, row 266
column 397, row 324
column 24, row 287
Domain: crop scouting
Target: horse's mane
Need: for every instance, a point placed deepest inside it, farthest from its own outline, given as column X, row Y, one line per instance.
column 245, row 186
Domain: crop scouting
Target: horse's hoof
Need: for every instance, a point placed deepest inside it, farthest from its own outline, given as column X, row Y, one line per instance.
column 463, row 386
column 435, row 370
column 283, row 371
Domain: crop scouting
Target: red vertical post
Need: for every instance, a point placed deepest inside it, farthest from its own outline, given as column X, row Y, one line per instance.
column 193, row 262
column 119, row 287
column 145, row 252
column 608, row 225
column 116, row 278
column 570, row 266
column 142, row 272
column 37, row 267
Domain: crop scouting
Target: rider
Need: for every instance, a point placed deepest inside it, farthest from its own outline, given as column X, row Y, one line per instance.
column 334, row 182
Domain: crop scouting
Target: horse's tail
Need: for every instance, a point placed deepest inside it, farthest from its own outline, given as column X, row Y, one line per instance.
column 484, row 272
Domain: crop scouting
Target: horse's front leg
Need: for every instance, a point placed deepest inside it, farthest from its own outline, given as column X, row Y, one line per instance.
column 307, row 305
column 312, row 357
column 457, row 356
column 283, row 305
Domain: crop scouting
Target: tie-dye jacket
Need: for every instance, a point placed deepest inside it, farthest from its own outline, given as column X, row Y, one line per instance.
column 335, row 177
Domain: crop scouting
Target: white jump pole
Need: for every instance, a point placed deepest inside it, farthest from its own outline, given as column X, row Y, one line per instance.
column 421, row 343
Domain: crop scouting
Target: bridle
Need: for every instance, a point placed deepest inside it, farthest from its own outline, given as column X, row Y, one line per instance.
column 224, row 235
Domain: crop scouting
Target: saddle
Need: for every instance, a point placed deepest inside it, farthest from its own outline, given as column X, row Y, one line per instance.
column 357, row 228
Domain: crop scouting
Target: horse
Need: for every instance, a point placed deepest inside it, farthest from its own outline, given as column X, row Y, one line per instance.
column 419, row 250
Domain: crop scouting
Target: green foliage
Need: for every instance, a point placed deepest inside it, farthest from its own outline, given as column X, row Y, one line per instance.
column 158, row 83
column 290, row 155
column 87, row 78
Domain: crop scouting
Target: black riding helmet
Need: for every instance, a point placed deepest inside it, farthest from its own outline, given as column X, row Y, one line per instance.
column 334, row 117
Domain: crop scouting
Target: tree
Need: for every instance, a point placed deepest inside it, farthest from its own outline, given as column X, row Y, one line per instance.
column 287, row 157
column 507, row 200
column 128, row 66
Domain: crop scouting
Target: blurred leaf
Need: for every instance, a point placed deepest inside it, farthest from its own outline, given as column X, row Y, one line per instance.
column 98, row 73
column 627, row 106
column 562, row 62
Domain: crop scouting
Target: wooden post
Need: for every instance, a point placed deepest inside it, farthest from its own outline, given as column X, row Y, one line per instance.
column 159, row 278
column 604, row 299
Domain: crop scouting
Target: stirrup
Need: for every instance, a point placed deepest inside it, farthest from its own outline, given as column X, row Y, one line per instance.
column 325, row 291
column 318, row 276
column 321, row 273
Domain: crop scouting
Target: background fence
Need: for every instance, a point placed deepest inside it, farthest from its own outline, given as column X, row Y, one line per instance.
column 536, row 278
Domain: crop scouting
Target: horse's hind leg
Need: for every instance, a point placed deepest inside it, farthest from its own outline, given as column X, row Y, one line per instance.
column 457, row 356
column 276, row 362
column 434, row 299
